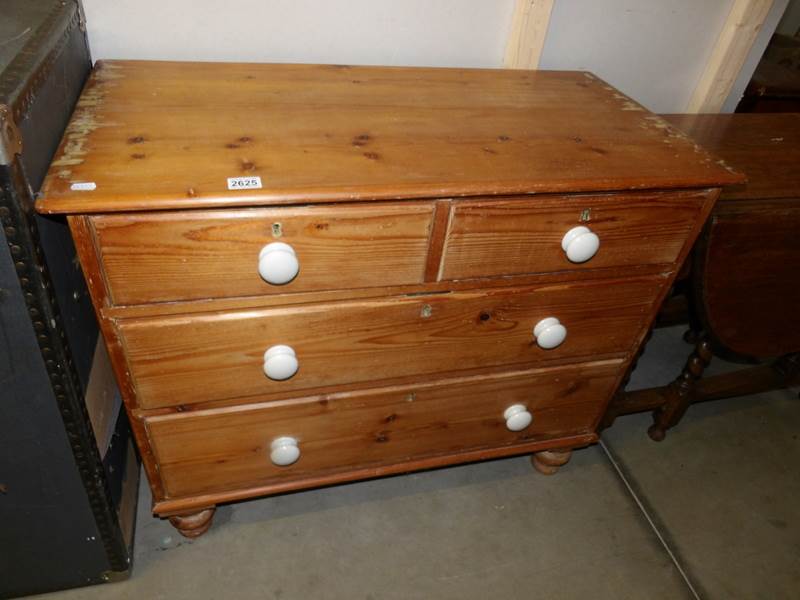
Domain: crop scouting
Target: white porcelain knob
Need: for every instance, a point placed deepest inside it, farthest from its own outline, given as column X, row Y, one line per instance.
column 277, row 263
column 549, row 333
column 580, row 243
column 280, row 362
column 517, row 417
column 284, row 451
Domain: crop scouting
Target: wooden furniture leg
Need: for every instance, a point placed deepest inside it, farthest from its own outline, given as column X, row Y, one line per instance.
column 618, row 400
column 547, row 462
column 195, row 524
column 692, row 336
column 680, row 393
column 783, row 373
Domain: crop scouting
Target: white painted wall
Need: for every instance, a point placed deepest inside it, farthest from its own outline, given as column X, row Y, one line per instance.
column 468, row 33
column 653, row 50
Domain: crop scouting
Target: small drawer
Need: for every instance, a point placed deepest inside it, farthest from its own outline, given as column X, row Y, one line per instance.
column 218, row 254
column 227, row 354
column 489, row 238
column 233, row 448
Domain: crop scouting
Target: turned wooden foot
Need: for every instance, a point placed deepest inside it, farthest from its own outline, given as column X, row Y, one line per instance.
column 681, row 392
column 656, row 433
column 195, row 524
column 691, row 336
column 547, row 462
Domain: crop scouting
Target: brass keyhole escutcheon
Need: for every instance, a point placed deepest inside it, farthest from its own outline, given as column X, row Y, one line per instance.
column 277, row 230
column 586, row 215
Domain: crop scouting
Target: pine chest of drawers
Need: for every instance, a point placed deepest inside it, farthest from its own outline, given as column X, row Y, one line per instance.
column 315, row 274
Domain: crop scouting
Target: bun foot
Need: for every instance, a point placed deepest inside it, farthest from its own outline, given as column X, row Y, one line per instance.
column 656, row 433
column 547, row 462
column 195, row 524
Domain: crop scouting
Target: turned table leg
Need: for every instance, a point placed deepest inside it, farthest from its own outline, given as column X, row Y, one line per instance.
column 692, row 336
column 195, row 524
column 679, row 394
column 547, row 462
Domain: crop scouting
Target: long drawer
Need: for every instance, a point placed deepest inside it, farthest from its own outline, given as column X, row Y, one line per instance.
column 218, row 254
column 203, row 357
column 229, row 449
column 492, row 238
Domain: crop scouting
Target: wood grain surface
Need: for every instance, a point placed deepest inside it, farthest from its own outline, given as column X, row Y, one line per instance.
column 490, row 238
column 433, row 287
column 412, row 320
column 191, row 359
column 745, row 272
column 156, row 135
column 165, row 507
column 746, row 279
column 193, row 255
column 765, row 147
column 229, row 449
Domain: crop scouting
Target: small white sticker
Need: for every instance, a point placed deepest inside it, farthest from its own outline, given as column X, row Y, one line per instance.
column 84, row 186
column 244, row 183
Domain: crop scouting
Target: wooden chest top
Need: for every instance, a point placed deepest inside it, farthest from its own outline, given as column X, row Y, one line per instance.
column 169, row 135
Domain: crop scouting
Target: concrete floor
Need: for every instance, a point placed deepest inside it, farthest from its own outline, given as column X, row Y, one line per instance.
column 721, row 491
column 724, row 486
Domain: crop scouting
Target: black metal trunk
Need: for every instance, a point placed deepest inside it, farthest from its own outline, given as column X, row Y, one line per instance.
column 66, row 517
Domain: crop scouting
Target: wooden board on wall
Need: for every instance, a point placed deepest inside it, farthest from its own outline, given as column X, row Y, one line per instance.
column 729, row 54
column 528, row 32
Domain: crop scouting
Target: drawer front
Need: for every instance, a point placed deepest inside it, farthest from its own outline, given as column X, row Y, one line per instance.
column 228, row 449
column 189, row 359
column 215, row 254
column 489, row 238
